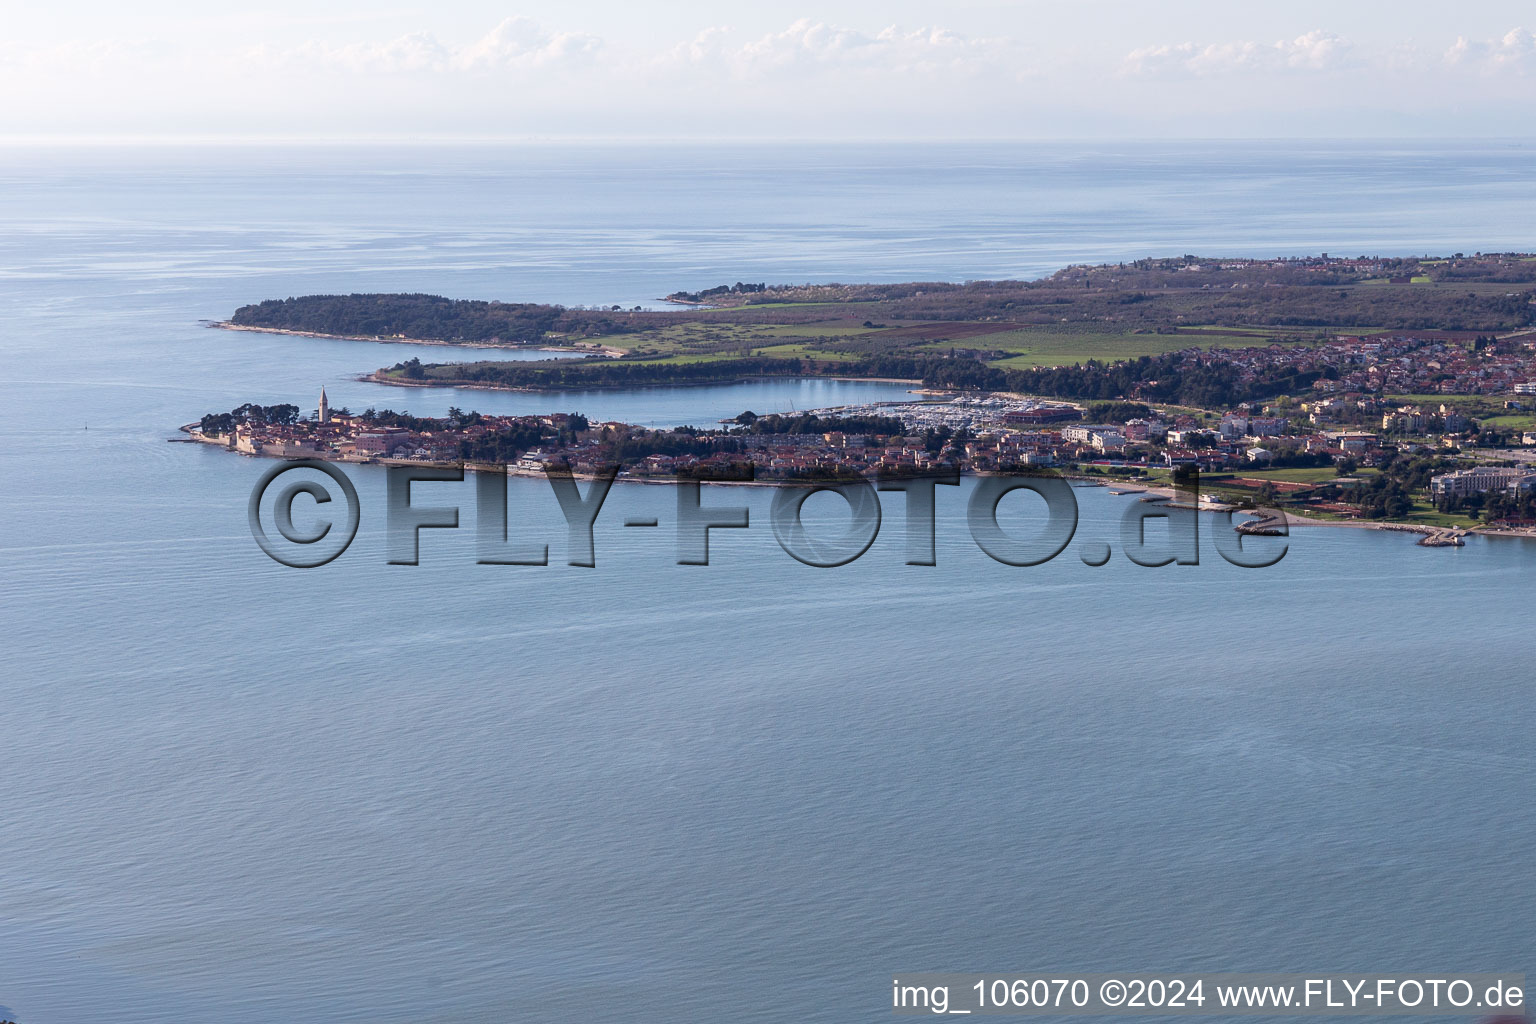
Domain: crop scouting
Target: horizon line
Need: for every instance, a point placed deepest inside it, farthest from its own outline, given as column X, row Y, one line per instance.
column 33, row 139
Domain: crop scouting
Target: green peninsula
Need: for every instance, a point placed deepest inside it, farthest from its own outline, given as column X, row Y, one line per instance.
column 1187, row 330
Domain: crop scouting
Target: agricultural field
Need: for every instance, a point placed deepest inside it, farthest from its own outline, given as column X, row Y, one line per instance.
column 1006, row 345
column 1050, row 346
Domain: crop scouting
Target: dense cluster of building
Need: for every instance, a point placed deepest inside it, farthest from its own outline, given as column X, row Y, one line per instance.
column 974, row 433
column 996, row 432
column 343, row 436
column 1424, row 362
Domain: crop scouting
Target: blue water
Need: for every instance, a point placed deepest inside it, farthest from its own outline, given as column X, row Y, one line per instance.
column 750, row 791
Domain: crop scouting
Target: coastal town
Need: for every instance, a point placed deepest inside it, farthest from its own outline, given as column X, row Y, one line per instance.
column 1419, row 415
column 1345, row 451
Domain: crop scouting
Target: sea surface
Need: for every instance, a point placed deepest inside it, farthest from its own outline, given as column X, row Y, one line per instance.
column 747, row 791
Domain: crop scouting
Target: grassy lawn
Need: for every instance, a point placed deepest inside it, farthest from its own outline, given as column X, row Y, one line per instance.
column 1051, row 346
column 1025, row 346
column 1513, row 421
column 1310, row 475
column 1042, row 345
column 820, row 329
column 703, row 341
column 1459, row 401
column 1266, row 332
column 1427, row 515
column 798, row 351
column 690, row 339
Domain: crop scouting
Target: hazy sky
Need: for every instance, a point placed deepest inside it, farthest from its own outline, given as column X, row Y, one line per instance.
column 822, row 69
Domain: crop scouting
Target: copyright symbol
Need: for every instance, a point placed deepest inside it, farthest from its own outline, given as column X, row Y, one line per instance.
column 282, row 514
column 1112, row 992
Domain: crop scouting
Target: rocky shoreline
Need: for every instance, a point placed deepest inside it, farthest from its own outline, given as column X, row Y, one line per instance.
column 584, row 347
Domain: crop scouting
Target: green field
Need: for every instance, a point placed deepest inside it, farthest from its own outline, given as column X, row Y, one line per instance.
column 1511, row 422
column 798, row 351
column 1059, row 346
column 820, row 329
column 1309, row 475
column 1044, row 345
column 1427, row 515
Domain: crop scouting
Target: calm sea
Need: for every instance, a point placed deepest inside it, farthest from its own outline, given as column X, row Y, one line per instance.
column 750, row 791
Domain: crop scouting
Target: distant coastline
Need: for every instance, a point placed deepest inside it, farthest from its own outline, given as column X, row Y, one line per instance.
column 382, row 377
column 591, row 348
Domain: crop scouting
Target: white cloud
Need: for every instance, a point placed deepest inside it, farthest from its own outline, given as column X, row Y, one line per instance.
column 808, row 45
column 1515, row 51
column 805, row 42
column 516, row 42
column 415, row 52
column 520, row 41
column 814, row 77
column 1315, row 51
column 708, row 46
